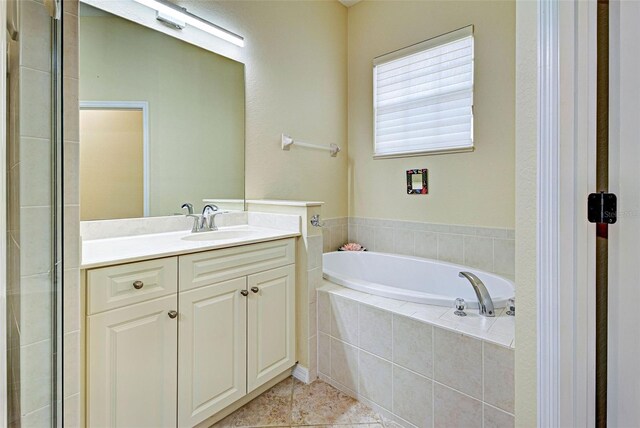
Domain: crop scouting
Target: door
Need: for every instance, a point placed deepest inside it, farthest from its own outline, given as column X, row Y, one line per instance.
column 112, row 163
column 270, row 325
column 624, row 237
column 132, row 363
column 212, row 350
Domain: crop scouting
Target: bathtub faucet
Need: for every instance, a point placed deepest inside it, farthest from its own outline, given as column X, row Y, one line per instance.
column 485, row 304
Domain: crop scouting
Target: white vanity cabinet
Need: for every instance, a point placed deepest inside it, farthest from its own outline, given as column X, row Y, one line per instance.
column 131, row 344
column 173, row 341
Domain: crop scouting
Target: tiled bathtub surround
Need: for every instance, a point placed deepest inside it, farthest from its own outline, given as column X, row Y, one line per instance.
column 413, row 363
column 485, row 248
column 334, row 233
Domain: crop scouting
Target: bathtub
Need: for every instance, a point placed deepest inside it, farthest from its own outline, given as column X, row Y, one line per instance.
column 411, row 279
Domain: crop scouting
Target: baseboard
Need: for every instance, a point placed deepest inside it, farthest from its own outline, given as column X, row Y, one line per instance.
column 301, row 373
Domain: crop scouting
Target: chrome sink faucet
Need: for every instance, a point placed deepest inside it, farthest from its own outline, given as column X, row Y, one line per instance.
column 200, row 221
column 485, row 304
column 204, row 222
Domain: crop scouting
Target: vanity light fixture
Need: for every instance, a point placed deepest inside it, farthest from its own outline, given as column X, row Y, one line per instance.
column 180, row 17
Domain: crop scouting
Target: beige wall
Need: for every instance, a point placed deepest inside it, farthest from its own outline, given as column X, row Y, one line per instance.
column 526, row 214
column 296, row 68
column 196, row 107
column 468, row 188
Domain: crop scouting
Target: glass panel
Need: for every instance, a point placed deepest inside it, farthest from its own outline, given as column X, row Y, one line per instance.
column 34, row 216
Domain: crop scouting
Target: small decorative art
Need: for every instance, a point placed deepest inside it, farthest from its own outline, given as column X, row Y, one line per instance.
column 417, row 182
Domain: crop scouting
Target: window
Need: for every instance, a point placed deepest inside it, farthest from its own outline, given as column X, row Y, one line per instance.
column 423, row 97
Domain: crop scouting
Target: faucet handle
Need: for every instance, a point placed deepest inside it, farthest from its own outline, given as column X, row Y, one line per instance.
column 212, row 219
column 511, row 307
column 188, row 206
column 210, row 209
column 460, row 306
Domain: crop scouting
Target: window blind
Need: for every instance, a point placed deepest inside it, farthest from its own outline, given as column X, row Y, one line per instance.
column 423, row 97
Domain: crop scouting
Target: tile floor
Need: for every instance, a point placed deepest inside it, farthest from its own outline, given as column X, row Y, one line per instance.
column 292, row 403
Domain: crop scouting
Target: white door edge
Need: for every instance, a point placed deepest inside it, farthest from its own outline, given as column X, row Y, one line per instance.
column 565, row 240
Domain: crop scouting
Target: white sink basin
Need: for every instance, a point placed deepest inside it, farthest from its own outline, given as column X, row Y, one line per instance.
column 219, row 235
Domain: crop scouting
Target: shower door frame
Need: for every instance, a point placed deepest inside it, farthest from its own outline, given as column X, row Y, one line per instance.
column 3, row 219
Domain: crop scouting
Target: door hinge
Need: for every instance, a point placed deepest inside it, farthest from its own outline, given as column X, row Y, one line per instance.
column 602, row 208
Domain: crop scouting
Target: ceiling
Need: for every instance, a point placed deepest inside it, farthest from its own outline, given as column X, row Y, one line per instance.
column 348, row 3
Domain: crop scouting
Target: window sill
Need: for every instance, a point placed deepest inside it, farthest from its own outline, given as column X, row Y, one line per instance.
column 425, row 153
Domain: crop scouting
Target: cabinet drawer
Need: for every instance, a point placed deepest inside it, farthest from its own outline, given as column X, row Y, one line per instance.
column 198, row 270
column 116, row 286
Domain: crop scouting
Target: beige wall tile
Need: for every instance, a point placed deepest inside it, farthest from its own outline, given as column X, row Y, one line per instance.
column 499, row 371
column 375, row 379
column 35, row 98
column 35, row 317
column 412, row 397
column 413, row 345
column 34, row 36
column 478, row 252
column 504, row 251
column 70, row 46
column 375, row 333
column 403, row 241
column 384, row 239
column 324, row 312
column 453, row 409
column 35, row 240
column 314, row 280
column 344, row 364
column 426, row 245
column 72, row 411
column 313, row 319
column 71, row 364
column 35, row 184
column 314, row 251
column 313, row 357
column 451, row 248
column 326, row 240
column 71, row 124
column 367, row 237
column 344, row 319
column 38, row 418
column 495, row 418
column 324, row 354
column 458, row 361
column 72, row 254
column 71, row 189
column 35, row 376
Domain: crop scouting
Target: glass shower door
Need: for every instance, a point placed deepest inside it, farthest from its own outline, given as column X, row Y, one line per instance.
column 34, row 215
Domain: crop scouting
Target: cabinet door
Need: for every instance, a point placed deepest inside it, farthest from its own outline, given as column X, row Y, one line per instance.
column 212, row 350
column 132, row 364
column 271, row 325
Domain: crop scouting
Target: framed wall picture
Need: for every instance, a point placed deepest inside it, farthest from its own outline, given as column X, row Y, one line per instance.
column 417, row 182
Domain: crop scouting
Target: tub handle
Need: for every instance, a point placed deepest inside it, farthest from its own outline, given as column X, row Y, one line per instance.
column 315, row 221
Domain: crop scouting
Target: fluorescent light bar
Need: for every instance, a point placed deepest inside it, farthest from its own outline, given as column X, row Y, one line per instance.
column 170, row 9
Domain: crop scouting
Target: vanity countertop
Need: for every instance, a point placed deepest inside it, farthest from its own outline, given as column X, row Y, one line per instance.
column 111, row 251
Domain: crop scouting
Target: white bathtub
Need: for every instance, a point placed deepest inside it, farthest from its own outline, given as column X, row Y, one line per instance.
column 411, row 279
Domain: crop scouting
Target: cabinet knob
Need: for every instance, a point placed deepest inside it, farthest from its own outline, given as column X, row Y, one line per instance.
column 245, row 293
column 255, row 289
column 173, row 314
column 138, row 285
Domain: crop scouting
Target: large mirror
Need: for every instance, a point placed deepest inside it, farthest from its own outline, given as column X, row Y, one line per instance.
column 161, row 122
